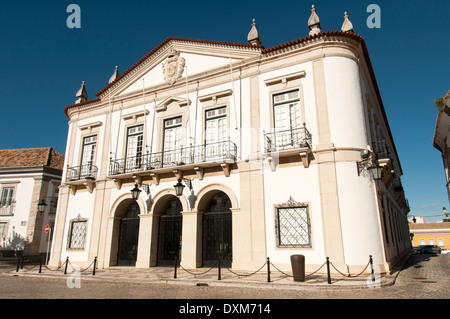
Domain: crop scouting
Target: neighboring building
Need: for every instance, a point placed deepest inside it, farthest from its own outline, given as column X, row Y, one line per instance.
column 441, row 133
column 266, row 141
column 417, row 219
column 431, row 234
column 28, row 176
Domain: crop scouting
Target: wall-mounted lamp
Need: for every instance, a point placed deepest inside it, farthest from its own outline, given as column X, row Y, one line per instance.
column 41, row 206
column 136, row 191
column 369, row 163
column 179, row 186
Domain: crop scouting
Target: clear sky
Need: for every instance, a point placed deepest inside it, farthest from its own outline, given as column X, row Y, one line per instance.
column 43, row 62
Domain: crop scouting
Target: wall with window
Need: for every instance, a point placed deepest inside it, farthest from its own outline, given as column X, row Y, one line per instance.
column 78, row 226
column 15, row 203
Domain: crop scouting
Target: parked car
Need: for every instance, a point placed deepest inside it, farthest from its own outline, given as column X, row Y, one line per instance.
column 427, row 249
column 445, row 251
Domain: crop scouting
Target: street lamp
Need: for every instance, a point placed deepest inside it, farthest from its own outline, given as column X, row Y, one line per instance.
column 41, row 206
column 375, row 171
column 135, row 192
column 179, row 186
column 369, row 163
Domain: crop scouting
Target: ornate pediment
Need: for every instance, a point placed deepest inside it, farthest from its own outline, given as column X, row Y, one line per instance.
column 173, row 67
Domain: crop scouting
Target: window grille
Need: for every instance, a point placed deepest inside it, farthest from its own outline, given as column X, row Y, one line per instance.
column 77, row 234
column 293, row 228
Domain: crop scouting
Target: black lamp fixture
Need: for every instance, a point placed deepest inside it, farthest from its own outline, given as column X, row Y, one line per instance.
column 369, row 163
column 179, row 186
column 135, row 192
column 375, row 171
column 41, row 206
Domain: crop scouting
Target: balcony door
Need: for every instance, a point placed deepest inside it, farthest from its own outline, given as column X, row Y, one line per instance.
column 287, row 119
column 87, row 157
column 135, row 141
column 215, row 133
column 172, row 153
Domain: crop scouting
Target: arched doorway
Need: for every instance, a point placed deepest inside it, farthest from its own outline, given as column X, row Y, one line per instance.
column 169, row 234
column 217, row 231
column 129, row 236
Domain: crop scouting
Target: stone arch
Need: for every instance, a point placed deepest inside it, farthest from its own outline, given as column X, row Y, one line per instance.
column 117, row 212
column 205, row 195
column 121, row 204
column 160, row 200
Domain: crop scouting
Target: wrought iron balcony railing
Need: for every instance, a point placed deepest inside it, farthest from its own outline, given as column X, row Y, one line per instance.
column 82, row 172
column 7, row 209
column 220, row 151
column 381, row 149
column 287, row 139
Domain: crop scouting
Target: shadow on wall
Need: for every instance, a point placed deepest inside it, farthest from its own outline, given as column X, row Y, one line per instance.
column 13, row 246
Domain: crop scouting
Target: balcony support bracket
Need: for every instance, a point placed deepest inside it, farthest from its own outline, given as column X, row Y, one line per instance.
column 226, row 169
column 118, row 183
column 305, row 156
column 200, row 172
column 155, row 177
column 89, row 185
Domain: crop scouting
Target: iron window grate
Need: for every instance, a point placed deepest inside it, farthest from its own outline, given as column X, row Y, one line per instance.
column 293, row 228
column 77, row 234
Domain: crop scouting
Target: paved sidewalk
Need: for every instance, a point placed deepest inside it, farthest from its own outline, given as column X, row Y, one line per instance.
column 210, row 277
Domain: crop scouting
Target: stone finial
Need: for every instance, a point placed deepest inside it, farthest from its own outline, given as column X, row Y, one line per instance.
column 347, row 25
column 82, row 95
column 115, row 75
column 253, row 36
column 314, row 22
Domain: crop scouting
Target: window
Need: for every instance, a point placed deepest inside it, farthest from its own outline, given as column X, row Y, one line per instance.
column 293, row 227
column 87, row 156
column 287, row 114
column 215, row 132
column 287, row 120
column 7, row 196
column 172, row 141
column 216, row 125
column 77, row 234
column 3, row 231
column 7, row 201
column 431, row 241
column 440, row 242
column 135, row 141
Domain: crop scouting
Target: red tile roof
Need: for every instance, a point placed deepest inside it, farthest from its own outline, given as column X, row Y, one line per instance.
column 31, row 157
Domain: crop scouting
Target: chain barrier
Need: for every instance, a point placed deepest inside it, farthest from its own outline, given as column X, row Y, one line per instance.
column 349, row 275
column 189, row 272
column 65, row 264
column 268, row 263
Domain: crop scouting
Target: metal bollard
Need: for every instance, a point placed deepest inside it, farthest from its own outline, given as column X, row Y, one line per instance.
column 268, row 269
column 67, row 263
column 220, row 277
column 371, row 268
column 95, row 265
column 40, row 265
column 175, row 270
column 18, row 264
column 328, row 271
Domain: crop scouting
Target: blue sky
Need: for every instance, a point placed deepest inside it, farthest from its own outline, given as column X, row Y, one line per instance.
column 43, row 63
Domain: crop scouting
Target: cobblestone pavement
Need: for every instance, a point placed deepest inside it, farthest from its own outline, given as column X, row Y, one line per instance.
column 422, row 277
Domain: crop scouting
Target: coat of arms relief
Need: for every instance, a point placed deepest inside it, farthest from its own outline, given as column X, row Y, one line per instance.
column 173, row 67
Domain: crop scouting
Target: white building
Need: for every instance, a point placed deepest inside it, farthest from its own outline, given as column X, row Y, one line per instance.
column 441, row 133
column 266, row 141
column 28, row 176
